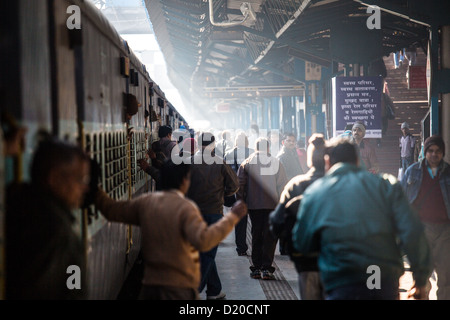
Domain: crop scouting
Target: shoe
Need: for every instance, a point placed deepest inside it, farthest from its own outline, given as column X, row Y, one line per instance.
column 255, row 274
column 242, row 253
column 220, row 296
column 267, row 275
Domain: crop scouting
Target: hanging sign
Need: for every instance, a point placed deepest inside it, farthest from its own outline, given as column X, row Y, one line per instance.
column 357, row 99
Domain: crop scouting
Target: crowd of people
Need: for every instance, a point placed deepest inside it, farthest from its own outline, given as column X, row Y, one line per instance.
column 205, row 188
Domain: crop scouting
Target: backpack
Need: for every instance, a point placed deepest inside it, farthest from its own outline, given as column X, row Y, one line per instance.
column 281, row 223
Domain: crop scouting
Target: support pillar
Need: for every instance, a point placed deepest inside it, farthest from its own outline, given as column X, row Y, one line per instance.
column 445, row 64
column 313, row 108
column 434, row 94
column 275, row 113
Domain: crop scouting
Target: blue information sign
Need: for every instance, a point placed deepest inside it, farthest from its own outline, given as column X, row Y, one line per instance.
column 357, row 99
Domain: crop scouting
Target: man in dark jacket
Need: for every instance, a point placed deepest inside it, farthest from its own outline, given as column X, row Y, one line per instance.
column 234, row 158
column 282, row 219
column 211, row 181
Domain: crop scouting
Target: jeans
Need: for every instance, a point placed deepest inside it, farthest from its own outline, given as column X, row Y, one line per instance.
column 210, row 277
column 240, row 232
column 406, row 162
column 438, row 236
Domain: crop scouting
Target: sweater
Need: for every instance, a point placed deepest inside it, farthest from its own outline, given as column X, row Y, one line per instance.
column 173, row 233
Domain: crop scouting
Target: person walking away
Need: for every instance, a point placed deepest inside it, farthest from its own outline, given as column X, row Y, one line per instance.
column 224, row 144
column 360, row 225
column 261, row 181
column 427, row 186
column 234, row 158
column 173, row 233
column 407, row 146
column 211, row 181
column 283, row 218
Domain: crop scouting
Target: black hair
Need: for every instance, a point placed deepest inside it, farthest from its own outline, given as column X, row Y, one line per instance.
column 164, row 131
column 342, row 150
column 172, row 175
column 318, row 148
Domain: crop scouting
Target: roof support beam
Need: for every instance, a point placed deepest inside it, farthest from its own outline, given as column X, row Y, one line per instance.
column 394, row 9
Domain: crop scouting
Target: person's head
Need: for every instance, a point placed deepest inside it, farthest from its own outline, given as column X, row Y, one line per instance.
column 263, row 145
column 62, row 170
column 206, row 140
column 316, row 151
column 434, row 150
column 340, row 150
column 405, row 128
column 241, row 140
column 289, row 141
column 164, row 131
column 358, row 131
column 175, row 176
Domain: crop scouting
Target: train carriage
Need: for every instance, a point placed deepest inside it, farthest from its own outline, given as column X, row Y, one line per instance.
column 72, row 83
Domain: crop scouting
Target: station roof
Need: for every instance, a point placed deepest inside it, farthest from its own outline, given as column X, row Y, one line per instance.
column 254, row 57
column 127, row 16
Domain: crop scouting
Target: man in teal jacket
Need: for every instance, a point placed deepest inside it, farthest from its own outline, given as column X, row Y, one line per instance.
column 360, row 225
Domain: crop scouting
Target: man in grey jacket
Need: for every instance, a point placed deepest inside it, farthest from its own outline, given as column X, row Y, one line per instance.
column 261, row 181
column 211, row 181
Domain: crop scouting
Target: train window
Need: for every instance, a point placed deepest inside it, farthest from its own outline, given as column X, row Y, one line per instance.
column 115, row 164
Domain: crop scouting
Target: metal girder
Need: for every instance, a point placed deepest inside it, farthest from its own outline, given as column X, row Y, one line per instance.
column 395, row 9
column 282, row 14
column 253, row 91
column 187, row 5
column 189, row 23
